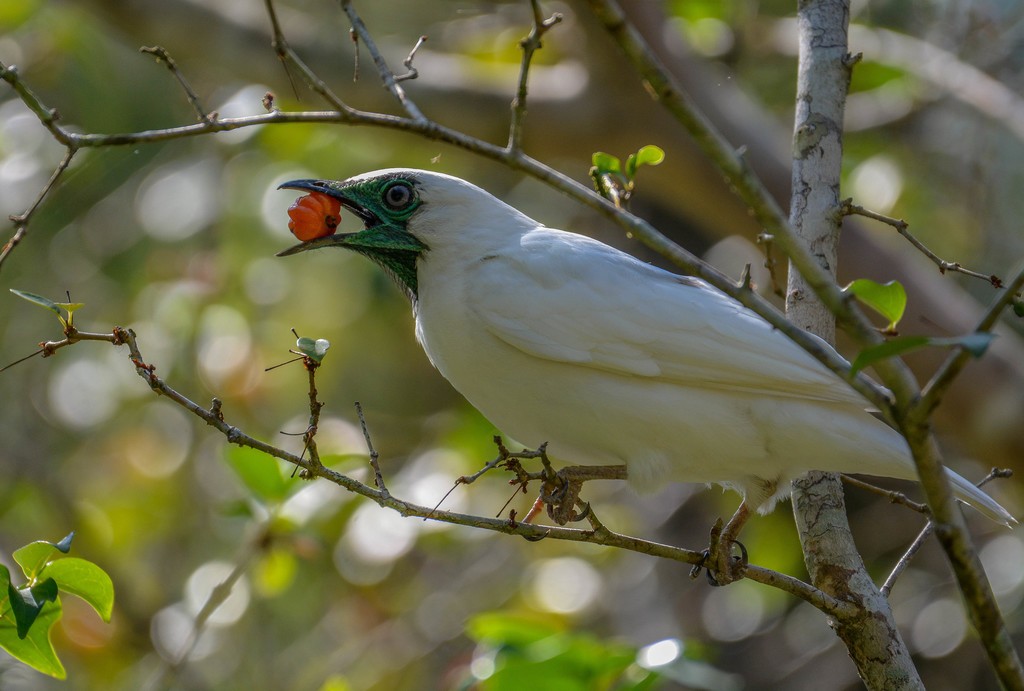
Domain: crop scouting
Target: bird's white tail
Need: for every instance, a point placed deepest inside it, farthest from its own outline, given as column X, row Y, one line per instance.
column 966, row 492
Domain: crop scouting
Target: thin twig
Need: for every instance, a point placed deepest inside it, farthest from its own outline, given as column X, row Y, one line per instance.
column 902, row 227
column 893, row 496
column 280, row 46
column 412, row 73
column 932, row 392
column 161, row 55
column 386, row 75
column 286, row 54
column 378, row 476
column 765, row 240
column 21, row 220
column 530, row 45
column 925, row 533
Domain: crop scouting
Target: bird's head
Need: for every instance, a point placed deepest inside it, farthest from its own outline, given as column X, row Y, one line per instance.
column 384, row 202
column 408, row 213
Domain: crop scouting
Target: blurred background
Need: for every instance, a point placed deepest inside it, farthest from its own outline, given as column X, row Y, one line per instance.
column 177, row 241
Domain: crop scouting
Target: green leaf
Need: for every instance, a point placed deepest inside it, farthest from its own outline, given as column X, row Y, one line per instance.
column 605, row 163
column 259, row 472
column 1018, row 307
column 504, row 628
column 84, row 579
column 34, row 556
column 315, row 350
column 974, row 343
column 649, row 155
column 26, row 603
column 70, row 307
column 891, row 348
column 39, row 300
column 35, row 649
column 888, row 299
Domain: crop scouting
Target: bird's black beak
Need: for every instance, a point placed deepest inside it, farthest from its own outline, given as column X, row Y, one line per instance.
column 331, row 189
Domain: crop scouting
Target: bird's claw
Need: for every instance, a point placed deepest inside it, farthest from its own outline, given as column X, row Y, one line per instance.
column 720, row 566
column 536, row 538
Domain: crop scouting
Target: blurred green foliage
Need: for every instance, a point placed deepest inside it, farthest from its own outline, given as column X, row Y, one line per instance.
column 176, row 240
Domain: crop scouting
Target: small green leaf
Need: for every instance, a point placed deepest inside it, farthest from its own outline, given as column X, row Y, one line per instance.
column 606, row 163
column 890, row 348
column 1018, row 307
column 70, row 307
column 26, row 603
column 33, row 556
column 84, row 579
column 888, row 299
column 649, row 155
column 39, row 300
column 259, row 472
column 974, row 343
column 315, row 350
column 35, row 649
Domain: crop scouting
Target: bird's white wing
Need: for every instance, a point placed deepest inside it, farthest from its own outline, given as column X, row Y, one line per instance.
column 567, row 298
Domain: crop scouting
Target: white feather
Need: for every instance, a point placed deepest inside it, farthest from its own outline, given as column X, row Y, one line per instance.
column 556, row 337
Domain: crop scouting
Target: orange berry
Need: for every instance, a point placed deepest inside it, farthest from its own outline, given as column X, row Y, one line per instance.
column 313, row 216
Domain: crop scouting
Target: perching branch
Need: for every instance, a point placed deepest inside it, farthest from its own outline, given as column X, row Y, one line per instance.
column 312, row 468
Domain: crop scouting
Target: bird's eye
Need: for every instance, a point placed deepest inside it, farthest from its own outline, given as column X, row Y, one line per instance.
column 398, row 195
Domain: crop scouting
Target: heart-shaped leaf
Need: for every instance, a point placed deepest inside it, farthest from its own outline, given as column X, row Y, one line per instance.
column 888, row 299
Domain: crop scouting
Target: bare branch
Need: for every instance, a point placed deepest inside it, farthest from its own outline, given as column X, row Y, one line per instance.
column 285, row 54
column 21, row 220
column 413, row 73
column 161, row 55
column 530, row 45
column 901, row 227
column 892, row 496
column 378, row 476
column 943, row 378
column 386, row 75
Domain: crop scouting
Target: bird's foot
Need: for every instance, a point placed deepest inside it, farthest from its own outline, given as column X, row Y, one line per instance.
column 720, row 564
column 559, row 495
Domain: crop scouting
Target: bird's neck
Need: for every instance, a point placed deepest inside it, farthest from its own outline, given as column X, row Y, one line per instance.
column 400, row 265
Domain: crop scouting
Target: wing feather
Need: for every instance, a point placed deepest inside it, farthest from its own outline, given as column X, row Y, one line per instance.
column 566, row 298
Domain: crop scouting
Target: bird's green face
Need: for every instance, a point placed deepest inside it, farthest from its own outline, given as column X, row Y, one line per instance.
column 385, row 204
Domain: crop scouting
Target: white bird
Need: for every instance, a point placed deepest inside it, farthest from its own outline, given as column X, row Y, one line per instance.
column 558, row 338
